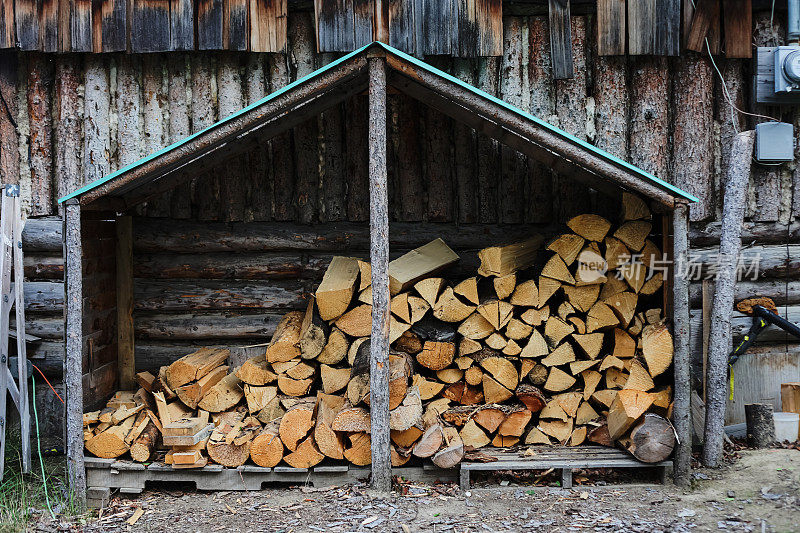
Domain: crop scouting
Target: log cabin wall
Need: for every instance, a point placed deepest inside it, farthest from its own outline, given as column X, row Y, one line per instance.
column 69, row 119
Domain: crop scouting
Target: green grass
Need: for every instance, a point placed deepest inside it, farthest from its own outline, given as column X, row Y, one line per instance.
column 22, row 496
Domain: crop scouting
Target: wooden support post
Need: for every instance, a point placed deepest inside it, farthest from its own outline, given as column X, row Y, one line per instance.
column 73, row 362
column 125, row 357
column 379, row 256
column 730, row 243
column 681, row 363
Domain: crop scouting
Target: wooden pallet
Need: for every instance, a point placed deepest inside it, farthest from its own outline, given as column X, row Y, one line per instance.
column 105, row 475
column 565, row 459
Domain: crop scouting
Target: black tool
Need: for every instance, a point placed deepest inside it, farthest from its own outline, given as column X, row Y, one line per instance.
column 762, row 317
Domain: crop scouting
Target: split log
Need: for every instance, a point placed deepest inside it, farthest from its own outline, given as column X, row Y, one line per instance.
column 296, row 424
column 652, row 440
column 453, row 451
column 590, row 227
column 357, row 322
column 599, row 435
column 420, row 263
column 430, row 442
column 436, row 355
column 335, row 349
column 285, row 343
column 313, row 333
column 266, row 449
column 359, row 452
column 531, row 396
column 567, row 246
column 192, row 393
column 352, row 420
column 627, row 407
column 328, row 441
column 334, row 379
column 335, row 291
column 142, row 447
column 256, row 371
column 408, row 413
column 194, row 366
column 503, row 260
column 258, row 398
column 448, row 308
column 429, row 289
column 110, row 444
column 222, row 396
column 657, row 348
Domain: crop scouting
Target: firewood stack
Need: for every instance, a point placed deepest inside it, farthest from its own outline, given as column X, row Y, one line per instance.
column 561, row 345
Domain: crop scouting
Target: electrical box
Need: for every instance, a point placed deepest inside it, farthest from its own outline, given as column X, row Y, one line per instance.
column 774, row 142
column 777, row 77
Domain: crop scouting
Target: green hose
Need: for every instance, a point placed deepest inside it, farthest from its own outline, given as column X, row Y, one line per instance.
column 39, row 447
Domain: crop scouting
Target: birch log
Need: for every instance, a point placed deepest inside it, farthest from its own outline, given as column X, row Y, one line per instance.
column 720, row 336
column 379, row 255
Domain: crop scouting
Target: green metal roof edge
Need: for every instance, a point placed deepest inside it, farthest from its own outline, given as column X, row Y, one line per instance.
column 598, row 151
column 108, row 177
column 419, row 63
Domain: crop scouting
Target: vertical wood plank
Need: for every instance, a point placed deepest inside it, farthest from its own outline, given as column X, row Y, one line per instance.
column 281, row 150
column 48, row 26
column 641, row 27
column 409, row 182
column 80, row 25
column 8, row 34
column 40, row 142
column 715, row 29
column 686, row 20
column 96, row 128
column 27, row 22
column 514, row 171
column 356, row 118
column 438, row 153
column 693, row 135
column 268, row 25
column 231, row 99
column 437, row 27
column 488, row 149
column 489, row 18
column 381, row 20
column 611, row 98
column 379, row 257
column 611, row 29
column 73, row 364
column 150, row 26
column 364, row 22
column 402, row 25
column 705, row 17
column 668, row 28
column 305, row 135
column 465, row 148
column 541, row 203
column 649, row 133
column 209, row 24
column 560, row 39
column 235, row 25
column 64, row 26
column 178, row 67
column 181, row 25
column 335, row 25
column 333, row 187
column 738, row 20
column 114, row 22
column 465, row 34
column 68, row 174
column 126, row 362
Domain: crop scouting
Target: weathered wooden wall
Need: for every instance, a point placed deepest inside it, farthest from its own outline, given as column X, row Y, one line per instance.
column 68, row 119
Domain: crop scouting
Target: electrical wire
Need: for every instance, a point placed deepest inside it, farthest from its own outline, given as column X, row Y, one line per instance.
column 48, row 384
column 39, row 446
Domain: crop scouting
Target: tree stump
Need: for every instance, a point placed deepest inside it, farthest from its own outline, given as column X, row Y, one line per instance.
column 760, row 425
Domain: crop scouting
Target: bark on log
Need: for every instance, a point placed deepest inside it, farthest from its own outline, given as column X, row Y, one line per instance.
column 719, row 339
column 143, row 446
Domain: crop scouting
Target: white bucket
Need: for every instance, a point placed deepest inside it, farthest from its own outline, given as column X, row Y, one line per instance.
column 786, row 426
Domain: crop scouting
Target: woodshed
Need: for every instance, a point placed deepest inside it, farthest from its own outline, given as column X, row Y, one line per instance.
column 257, row 269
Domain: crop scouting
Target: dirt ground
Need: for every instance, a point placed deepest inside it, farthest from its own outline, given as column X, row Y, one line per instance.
column 759, row 492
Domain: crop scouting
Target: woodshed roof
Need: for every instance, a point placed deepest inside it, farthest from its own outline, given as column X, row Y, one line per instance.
column 345, row 77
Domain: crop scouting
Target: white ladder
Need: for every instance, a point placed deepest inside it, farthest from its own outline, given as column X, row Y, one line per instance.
column 11, row 258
